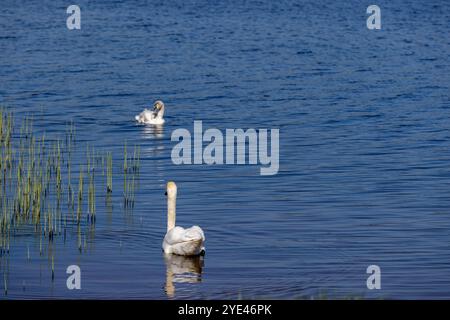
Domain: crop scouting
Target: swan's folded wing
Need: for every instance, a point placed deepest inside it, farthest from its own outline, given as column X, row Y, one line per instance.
column 179, row 235
column 145, row 116
column 174, row 236
column 195, row 233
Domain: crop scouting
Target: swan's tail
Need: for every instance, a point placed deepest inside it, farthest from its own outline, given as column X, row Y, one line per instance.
column 188, row 248
column 193, row 242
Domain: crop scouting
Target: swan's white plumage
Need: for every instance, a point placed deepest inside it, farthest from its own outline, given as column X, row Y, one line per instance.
column 180, row 241
column 184, row 242
column 154, row 116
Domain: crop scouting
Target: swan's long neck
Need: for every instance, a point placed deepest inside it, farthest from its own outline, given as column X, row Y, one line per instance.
column 171, row 212
column 160, row 113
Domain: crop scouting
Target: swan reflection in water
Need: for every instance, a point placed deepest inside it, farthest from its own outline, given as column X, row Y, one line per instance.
column 182, row 269
column 153, row 131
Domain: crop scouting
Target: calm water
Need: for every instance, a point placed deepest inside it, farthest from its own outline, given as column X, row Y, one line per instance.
column 364, row 144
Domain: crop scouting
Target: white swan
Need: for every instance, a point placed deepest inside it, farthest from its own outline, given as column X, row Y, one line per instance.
column 184, row 242
column 154, row 116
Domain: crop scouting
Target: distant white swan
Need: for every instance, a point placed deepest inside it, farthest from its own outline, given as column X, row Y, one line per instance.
column 154, row 116
column 184, row 242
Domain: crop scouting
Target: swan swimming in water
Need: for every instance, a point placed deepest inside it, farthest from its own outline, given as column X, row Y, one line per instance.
column 180, row 241
column 154, row 116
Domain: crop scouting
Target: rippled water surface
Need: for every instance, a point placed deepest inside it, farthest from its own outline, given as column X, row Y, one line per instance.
column 364, row 144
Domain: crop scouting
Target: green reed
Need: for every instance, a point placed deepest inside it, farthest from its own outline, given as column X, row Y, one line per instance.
column 109, row 172
column 80, row 196
column 37, row 177
column 131, row 172
column 53, row 266
column 91, row 187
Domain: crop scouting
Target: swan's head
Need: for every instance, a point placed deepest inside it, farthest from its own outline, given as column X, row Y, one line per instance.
column 158, row 106
column 171, row 189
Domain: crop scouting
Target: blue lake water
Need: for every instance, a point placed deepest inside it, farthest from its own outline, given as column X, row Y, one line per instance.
column 364, row 144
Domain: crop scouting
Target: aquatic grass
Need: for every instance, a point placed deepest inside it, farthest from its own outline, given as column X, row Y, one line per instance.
column 38, row 176
column 80, row 196
column 109, row 172
column 91, row 188
column 53, row 266
column 136, row 159
column 125, row 159
column 130, row 175
column 79, row 238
